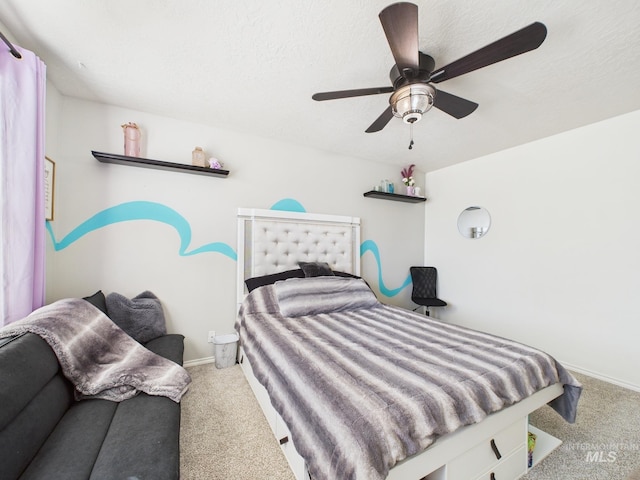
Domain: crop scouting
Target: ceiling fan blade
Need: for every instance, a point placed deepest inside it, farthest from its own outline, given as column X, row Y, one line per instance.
column 400, row 24
column 455, row 106
column 350, row 93
column 525, row 40
column 381, row 121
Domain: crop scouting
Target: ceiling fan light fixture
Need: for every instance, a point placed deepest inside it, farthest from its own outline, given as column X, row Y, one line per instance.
column 412, row 101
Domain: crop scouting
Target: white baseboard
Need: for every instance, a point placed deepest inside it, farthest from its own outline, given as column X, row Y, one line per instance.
column 600, row 376
column 199, row 361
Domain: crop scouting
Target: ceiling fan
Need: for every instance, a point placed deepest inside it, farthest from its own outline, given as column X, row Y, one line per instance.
column 414, row 73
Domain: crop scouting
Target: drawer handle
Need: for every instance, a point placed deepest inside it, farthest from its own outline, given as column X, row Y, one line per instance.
column 493, row 476
column 494, row 447
column 284, row 440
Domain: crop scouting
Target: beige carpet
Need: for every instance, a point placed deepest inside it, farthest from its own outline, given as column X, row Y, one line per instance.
column 223, row 433
column 225, row 436
column 603, row 444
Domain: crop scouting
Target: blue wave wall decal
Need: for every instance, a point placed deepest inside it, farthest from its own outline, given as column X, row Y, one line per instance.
column 141, row 210
column 370, row 245
column 288, row 205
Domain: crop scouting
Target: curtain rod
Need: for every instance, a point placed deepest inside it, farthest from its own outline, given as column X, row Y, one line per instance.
column 12, row 49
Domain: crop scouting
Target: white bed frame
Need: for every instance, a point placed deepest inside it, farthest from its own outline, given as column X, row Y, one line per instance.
column 274, row 241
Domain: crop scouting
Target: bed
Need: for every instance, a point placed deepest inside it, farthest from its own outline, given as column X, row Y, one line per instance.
column 353, row 388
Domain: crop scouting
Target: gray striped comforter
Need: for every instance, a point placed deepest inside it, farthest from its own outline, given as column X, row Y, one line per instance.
column 363, row 388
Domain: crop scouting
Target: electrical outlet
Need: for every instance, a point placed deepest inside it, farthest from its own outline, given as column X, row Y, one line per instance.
column 212, row 334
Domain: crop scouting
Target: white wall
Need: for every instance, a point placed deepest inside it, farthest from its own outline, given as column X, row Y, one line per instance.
column 198, row 292
column 560, row 266
column 53, row 110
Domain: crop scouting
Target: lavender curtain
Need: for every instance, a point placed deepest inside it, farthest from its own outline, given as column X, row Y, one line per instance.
column 22, row 223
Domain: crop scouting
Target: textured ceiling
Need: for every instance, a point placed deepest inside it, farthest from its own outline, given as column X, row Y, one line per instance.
column 252, row 66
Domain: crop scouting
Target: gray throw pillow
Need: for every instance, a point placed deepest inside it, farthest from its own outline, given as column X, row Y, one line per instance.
column 141, row 317
column 316, row 269
column 255, row 282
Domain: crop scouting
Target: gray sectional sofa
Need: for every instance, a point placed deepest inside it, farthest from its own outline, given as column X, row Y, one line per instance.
column 46, row 434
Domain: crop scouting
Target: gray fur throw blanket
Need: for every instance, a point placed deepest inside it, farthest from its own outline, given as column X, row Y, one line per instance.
column 100, row 359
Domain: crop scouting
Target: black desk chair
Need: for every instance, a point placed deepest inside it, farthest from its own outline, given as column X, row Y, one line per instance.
column 424, row 288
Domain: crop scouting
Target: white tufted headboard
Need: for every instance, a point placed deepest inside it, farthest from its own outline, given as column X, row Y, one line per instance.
column 272, row 241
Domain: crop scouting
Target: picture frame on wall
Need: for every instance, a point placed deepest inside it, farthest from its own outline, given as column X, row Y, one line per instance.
column 49, row 187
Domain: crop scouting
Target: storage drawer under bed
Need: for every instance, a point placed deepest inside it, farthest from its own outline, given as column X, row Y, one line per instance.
column 506, row 447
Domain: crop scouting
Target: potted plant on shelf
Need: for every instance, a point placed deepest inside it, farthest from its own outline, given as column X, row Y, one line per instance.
column 407, row 179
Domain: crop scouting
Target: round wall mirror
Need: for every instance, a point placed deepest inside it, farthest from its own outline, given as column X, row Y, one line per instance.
column 474, row 222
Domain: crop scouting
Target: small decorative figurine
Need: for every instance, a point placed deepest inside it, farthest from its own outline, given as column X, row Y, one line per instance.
column 132, row 136
column 198, row 157
column 214, row 163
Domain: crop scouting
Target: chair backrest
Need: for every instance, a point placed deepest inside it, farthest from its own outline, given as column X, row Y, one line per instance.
column 424, row 282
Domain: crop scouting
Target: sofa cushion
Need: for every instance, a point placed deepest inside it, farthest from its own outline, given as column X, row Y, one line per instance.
column 27, row 364
column 34, row 396
column 21, row 439
column 73, row 446
column 141, row 317
column 170, row 346
column 98, row 300
column 137, row 432
column 142, row 442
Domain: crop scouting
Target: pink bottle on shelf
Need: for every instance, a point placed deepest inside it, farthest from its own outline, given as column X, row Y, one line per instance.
column 132, row 136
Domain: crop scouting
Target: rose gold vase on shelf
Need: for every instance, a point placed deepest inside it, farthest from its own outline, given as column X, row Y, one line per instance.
column 132, row 136
column 410, row 191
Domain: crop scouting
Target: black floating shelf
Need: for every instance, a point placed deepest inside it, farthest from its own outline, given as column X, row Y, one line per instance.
column 394, row 196
column 157, row 164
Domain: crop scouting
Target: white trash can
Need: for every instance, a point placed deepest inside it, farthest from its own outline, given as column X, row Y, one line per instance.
column 226, row 349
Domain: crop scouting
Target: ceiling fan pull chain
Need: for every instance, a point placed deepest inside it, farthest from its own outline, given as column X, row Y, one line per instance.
column 411, row 136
